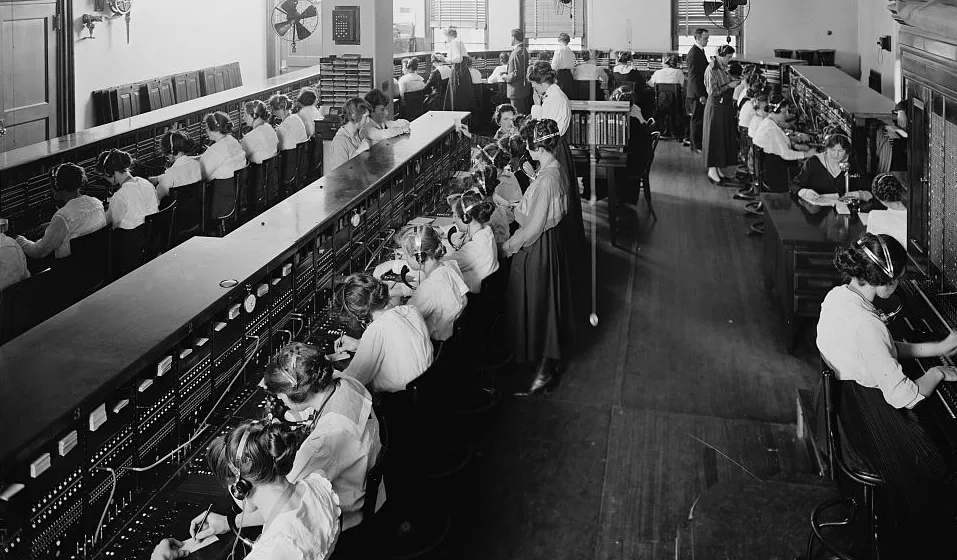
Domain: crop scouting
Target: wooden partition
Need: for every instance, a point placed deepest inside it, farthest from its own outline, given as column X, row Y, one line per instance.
column 130, row 373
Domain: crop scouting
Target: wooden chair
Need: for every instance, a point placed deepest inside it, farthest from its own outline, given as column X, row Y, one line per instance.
column 844, row 461
column 255, row 197
column 288, row 172
column 644, row 182
column 414, row 102
column 190, row 212
column 28, row 303
column 128, row 248
column 223, row 206
column 90, row 264
column 304, row 167
column 584, row 89
column 670, row 109
column 273, row 193
column 186, row 87
column 159, row 231
column 314, row 150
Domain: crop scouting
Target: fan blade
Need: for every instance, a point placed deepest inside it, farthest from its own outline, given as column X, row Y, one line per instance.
column 301, row 31
column 711, row 7
column 282, row 28
column 309, row 12
column 289, row 6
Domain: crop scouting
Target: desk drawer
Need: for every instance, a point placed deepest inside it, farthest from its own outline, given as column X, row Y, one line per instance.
column 808, row 305
column 816, row 282
column 814, row 260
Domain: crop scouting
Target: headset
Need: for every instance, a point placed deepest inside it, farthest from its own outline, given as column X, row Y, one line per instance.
column 419, row 255
column 53, row 173
column 887, row 268
column 776, row 107
column 241, row 487
column 881, row 179
column 466, row 217
column 345, row 305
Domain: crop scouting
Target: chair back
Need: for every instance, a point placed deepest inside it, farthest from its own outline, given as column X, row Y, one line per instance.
column 757, row 159
column 221, row 198
column 159, row 231
column 90, row 262
column 414, row 104
column 288, row 171
column 584, row 89
column 255, row 196
column 652, row 148
column 28, row 303
column 190, row 204
column 273, row 192
column 315, row 158
column 775, row 173
column 303, row 167
column 669, row 99
column 129, row 246
column 859, row 471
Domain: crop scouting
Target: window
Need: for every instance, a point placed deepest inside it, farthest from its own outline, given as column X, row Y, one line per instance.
column 690, row 15
column 469, row 17
column 543, row 20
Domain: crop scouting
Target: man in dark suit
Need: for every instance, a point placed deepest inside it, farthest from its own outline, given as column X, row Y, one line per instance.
column 516, row 76
column 697, row 95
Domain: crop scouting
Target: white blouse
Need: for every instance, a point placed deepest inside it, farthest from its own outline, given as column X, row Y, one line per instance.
column 498, row 74
column 309, row 115
column 343, row 445
column 13, row 263
column 477, row 259
column 563, row 59
column 223, row 159
column 856, row 343
column 185, row 170
column 589, row 71
column 554, row 106
column 890, row 222
column 261, row 143
column 457, row 51
column 80, row 216
column 772, row 140
column 409, row 83
column 756, row 121
column 130, row 205
column 307, row 533
column 291, row 132
column 746, row 114
column 440, row 298
column 667, row 76
column 394, row 349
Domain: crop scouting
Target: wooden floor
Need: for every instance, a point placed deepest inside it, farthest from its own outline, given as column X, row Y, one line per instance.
column 686, row 383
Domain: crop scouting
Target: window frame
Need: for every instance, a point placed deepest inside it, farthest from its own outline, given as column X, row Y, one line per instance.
column 432, row 25
column 715, row 31
column 522, row 24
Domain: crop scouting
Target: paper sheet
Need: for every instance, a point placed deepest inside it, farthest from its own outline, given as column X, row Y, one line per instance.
column 192, row 545
column 818, row 199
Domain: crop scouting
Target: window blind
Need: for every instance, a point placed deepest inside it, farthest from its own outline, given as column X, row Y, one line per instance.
column 548, row 18
column 690, row 16
column 460, row 13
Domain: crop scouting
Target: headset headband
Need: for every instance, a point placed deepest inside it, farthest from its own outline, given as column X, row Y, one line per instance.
column 171, row 143
column 538, row 139
column 777, row 106
column 832, row 135
column 888, row 268
column 237, row 464
column 468, row 208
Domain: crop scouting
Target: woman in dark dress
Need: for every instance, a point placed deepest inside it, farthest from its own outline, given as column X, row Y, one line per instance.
column 540, row 317
column 460, row 95
column 826, row 172
column 720, row 143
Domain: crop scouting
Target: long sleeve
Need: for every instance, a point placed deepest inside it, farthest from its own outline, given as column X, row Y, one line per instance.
column 53, row 237
column 778, row 144
column 211, row 160
column 717, row 80
column 368, row 357
column 390, row 130
column 875, row 350
column 457, row 51
column 118, row 209
column 434, row 82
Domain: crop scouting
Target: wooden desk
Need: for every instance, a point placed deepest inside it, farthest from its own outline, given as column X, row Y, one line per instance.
column 799, row 243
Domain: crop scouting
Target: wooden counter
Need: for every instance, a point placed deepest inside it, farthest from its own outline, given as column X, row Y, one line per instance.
column 799, row 243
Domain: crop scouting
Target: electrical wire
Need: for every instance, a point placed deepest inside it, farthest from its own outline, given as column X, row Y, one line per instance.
column 109, row 500
column 203, row 423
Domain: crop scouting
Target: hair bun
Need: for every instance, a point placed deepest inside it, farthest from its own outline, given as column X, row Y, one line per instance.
column 282, row 443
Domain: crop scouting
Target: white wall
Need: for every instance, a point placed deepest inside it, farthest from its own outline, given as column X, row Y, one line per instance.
column 637, row 25
column 503, row 17
column 167, row 37
column 805, row 24
column 375, row 36
column 874, row 20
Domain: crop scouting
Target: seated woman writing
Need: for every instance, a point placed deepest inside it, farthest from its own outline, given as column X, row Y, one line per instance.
column 300, row 520
column 825, row 173
column 876, row 397
column 394, row 348
column 78, row 215
column 892, row 218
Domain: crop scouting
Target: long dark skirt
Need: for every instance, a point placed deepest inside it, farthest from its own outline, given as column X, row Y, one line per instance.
column 461, row 95
column 577, row 241
column 539, row 307
column 564, row 156
column 719, row 136
column 566, row 81
column 898, row 446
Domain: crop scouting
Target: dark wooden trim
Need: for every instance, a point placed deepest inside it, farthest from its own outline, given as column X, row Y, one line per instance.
column 66, row 68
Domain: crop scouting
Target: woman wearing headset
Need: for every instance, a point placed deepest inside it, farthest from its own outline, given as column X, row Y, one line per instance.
column 291, row 131
column 301, row 520
column 720, row 146
column 540, row 312
column 225, row 155
column 307, row 111
column 261, row 142
column 78, row 214
column 394, row 348
column 892, row 218
column 136, row 197
column 341, row 432
column 440, row 292
column 826, row 172
column 771, row 138
column 183, row 169
column 351, row 138
column 877, row 398
column 475, row 250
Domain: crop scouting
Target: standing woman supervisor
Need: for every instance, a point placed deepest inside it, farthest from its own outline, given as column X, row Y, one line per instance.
column 695, row 92
column 563, row 62
column 540, row 320
column 460, row 95
column 720, row 144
